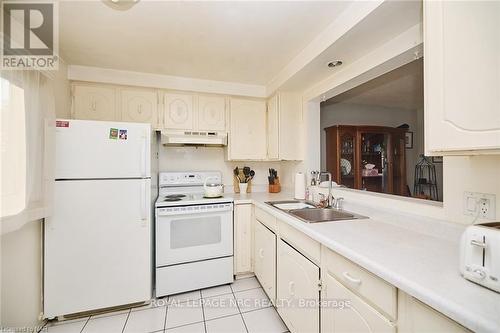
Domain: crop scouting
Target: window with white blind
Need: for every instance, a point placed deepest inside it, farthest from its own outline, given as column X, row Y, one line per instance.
column 27, row 115
column 13, row 149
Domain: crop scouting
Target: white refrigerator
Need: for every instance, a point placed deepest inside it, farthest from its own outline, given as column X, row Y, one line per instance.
column 98, row 239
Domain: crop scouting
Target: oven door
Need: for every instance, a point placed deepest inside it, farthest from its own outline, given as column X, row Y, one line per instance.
column 192, row 233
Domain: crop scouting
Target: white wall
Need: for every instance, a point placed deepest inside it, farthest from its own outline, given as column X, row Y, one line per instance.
column 212, row 158
column 21, row 276
column 469, row 173
column 62, row 89
column 20, row 251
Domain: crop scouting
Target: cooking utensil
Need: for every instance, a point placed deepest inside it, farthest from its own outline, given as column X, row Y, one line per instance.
column 237, row 174
column 252, row 174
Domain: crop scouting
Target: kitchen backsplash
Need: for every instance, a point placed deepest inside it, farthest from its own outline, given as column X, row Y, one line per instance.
column 214, row 158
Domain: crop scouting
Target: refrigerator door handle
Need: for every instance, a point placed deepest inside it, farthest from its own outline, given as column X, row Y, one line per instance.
column 144, row 204
column 143, row 155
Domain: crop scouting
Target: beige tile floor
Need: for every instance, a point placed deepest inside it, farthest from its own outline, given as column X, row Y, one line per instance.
column 233, row 308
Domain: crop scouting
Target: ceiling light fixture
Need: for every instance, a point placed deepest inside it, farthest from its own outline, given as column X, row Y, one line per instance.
column 334, row 63
column 120, row 4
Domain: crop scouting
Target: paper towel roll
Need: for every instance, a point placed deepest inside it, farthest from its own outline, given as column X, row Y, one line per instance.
column 300, row 186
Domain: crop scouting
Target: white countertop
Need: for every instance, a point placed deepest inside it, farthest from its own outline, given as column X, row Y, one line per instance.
column 417, row 255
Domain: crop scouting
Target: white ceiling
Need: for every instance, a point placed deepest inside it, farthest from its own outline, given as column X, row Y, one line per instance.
column 386, row 22
column 402, row 88
column 246, row 42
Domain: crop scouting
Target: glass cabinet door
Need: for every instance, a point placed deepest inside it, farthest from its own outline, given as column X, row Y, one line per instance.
column 375, row 171
column 347, row 158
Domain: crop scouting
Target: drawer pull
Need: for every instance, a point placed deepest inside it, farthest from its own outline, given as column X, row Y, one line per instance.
column 291, row 288
column 261, row 253
column 351, row 279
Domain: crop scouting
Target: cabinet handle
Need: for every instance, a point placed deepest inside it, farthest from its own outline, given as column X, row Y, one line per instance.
column 261, row 253
column 139, row 109
column 291, row 288
column 351, row 279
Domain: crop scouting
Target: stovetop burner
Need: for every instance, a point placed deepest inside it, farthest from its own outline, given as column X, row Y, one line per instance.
column 175, row 196
column 172, row 199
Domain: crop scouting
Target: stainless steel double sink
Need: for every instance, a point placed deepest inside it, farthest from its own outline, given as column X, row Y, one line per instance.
column 307, row 212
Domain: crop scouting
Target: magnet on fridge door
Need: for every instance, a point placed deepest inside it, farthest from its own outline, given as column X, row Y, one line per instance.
column 62, row 123
column 113, row 133
column 123, row 135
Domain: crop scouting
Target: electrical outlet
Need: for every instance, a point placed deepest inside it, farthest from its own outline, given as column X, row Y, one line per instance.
column 480, row 204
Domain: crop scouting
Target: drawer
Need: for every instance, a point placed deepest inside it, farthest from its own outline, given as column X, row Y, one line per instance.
column 303, row 243
column 186, row 277
column 265, row 218
column 377, row 292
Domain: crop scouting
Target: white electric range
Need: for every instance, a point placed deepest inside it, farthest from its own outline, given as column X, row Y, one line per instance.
column 193, row 235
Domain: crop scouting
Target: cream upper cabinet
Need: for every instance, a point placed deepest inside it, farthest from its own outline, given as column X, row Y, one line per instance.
column 178, row 111
column 139, row 106
column 94, row 103
column 284, row 126
column 297, row 280
column 350, row 313
column 273, row 128
column 247, row 137
column 265, row 259
column 211, row 113
column 242, row 238
column 462, row 76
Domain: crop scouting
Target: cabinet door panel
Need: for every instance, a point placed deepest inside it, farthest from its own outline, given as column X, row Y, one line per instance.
column 343, row 311
column 273, row 128
column 94, row 103
column 297, row 281
column 462, row 98
column 211, row 113
column 178, row 112
column 242, row 238
column 265, row 259
column 247, row 137
column 139, row 106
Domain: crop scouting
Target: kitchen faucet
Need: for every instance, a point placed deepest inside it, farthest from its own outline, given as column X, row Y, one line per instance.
column 327, row 202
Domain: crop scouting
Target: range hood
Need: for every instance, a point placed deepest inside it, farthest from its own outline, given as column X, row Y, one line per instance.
column 193, row 138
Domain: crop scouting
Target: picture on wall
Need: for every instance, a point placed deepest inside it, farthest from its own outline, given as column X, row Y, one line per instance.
column 409, row 140
column 437, row 159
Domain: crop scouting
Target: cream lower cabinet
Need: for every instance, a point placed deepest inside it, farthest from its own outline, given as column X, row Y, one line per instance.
column 344, row 311
column 416, row 317
column 297, row 290
column 242, row 239
column 265, row 259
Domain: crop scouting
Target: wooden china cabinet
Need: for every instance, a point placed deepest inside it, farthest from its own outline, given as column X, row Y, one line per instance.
column 349, row 149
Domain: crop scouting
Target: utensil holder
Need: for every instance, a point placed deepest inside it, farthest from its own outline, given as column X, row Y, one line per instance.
column 274, row 188
column 243, row 188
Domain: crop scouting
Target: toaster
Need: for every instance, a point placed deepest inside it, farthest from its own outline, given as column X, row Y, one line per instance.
column 480, row 255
